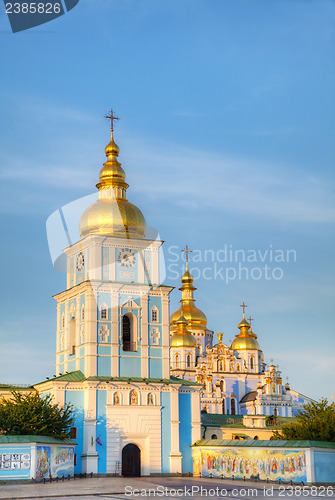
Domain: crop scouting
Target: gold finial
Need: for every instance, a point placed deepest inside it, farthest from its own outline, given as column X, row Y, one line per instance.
column 112, row 117
column 220, row 335
column 250, row 319
column 244, row 306
column 187, row 251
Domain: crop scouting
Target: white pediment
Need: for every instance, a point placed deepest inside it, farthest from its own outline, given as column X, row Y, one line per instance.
column 130, row 304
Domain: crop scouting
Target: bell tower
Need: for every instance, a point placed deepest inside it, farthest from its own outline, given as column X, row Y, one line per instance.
column 113, row 317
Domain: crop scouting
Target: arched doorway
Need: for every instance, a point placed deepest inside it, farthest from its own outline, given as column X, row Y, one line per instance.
column 131, row 461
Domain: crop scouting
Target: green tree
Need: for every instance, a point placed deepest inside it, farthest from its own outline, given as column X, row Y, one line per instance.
column 33, row 414
column 315, row 422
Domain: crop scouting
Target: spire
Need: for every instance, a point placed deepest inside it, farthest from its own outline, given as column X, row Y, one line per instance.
column 244, row 326
column 112, row 214
column 194, row 316
column 112, row 174
column 187, row 251
column 246, row 339
column 244, row 306
column 250, row 319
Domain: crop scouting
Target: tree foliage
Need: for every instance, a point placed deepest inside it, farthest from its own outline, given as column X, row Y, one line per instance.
column 33, row 414
column 316, row 422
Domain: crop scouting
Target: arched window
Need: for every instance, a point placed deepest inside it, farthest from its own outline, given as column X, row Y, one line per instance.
column 72, row 336
column 220, row 367
column 128, row 343
column 176, row 359
column 117, row 398
column 233, row 406
column 222, row 385
column 238, row 367
column 223, row 407
column 133, row 400
column 154, row 315
column 188, row 361
column 214, row 436
column 256, row 437
column 252, row 363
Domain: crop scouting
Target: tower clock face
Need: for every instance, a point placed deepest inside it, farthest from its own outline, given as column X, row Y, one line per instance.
column 126, row 258
column 80, row 261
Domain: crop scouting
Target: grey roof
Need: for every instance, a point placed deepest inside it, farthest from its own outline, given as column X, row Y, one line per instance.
column 78, row 376
column 249, row 443
column 250, row 396
column 35, row 439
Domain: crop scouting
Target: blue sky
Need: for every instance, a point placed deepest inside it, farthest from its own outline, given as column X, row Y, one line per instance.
column 226, row 137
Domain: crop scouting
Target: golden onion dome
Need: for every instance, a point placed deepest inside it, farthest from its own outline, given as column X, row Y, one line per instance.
column 246, row 339
column 194, row 316
column 112, row 214
column 187, row 277
column 245, row 343
column 182, row 337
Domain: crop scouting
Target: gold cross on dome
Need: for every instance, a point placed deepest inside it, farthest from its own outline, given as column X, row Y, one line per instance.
column 250, row 319
column 112, row 117
column 244, row 306
column 187, row 251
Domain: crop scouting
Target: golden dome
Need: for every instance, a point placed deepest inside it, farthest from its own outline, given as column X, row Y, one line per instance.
column 245, row 343
column 194, row 316
column 112, row 214
column 246, row 339
column 182, row 337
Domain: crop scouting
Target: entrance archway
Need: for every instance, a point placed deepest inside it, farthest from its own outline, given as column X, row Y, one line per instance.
column 131, row 461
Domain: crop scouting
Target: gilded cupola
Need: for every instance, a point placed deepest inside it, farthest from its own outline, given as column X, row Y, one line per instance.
column 182, row 337
column 246, row 339
column 112, row 214
column 194, row 316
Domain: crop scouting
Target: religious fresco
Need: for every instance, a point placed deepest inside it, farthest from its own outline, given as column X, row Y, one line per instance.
column 42, row 462
column 251, row 463
column 57, row 461
column 62, row 461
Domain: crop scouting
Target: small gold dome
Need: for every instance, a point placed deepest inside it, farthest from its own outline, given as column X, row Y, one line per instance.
column 112, row 214
column 194, row 316
column 182, row 337
column 246, row 339
column 187, row 277
column 245, row 343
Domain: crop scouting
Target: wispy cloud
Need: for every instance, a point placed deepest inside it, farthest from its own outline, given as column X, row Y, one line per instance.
column 190, row 178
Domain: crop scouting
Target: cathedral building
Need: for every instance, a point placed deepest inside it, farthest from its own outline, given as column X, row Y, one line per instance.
column 137, row 377
column 234, row 378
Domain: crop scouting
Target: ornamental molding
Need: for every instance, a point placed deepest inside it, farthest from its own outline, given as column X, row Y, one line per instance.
column 130, row 304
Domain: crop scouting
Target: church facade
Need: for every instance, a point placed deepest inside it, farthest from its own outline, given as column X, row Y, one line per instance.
column 235, row 379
